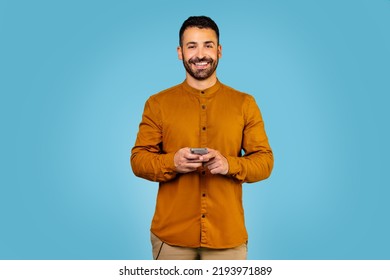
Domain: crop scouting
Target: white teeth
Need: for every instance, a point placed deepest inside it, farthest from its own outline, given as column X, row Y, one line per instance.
column 201, row 63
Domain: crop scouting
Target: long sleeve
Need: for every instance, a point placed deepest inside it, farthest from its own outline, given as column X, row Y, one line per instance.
column 147, row 158
column 257, row 162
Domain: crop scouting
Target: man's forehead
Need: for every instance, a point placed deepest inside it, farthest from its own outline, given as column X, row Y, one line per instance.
column 195, row 34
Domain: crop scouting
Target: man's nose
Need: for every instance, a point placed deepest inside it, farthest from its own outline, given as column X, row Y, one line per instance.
column 200, row 53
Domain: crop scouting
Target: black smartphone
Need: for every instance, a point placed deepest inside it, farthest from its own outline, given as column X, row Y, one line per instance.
column 199, row 151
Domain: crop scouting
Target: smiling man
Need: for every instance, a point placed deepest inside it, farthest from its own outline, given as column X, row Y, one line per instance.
column 199, row 212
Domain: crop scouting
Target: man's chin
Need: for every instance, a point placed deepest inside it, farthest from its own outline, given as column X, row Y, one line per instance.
column 201, row 75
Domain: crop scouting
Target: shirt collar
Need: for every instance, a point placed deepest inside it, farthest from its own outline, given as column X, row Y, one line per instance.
column 208, row 92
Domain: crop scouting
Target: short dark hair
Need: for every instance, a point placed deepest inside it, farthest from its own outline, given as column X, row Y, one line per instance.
column 199, row 22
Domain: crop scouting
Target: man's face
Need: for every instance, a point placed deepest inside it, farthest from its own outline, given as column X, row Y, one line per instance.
column 200, row 52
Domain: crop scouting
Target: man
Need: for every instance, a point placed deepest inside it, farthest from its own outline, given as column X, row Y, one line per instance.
column 199, row 212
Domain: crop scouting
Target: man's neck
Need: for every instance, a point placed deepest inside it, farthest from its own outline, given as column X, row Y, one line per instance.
column 201, row 84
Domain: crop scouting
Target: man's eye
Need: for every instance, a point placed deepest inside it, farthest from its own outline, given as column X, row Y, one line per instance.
column 191, row 47
column 209, row 46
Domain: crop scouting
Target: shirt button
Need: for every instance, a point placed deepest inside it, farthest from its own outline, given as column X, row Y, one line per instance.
column 204, row 128
column 203, row 107
column 204, row 195
column 203, row 216
column 203, row 172
column 202, row 92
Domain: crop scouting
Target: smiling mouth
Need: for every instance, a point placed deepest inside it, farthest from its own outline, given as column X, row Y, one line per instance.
column 201, row 65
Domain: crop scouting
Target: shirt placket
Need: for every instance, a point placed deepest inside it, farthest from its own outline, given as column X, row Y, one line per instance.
column 203, row 173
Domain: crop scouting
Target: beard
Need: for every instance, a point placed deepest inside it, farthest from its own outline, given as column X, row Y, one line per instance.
column 201, row 74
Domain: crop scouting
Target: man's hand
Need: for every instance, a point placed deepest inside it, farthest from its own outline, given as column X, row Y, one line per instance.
column 186, row 162
column 215, row 162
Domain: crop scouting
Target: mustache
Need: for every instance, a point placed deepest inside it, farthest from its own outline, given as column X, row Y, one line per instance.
column 199, row 60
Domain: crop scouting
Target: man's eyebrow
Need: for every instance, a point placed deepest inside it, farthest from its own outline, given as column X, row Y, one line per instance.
column 195, row 43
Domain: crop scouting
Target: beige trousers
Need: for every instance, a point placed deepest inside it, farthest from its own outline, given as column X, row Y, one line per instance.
column 163, row 251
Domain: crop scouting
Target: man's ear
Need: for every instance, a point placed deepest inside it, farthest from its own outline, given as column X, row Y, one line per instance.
column 219, row 51
column 179, row 53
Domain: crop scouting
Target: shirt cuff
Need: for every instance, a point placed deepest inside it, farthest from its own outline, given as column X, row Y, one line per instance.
column 234, row 166
column 168, row 164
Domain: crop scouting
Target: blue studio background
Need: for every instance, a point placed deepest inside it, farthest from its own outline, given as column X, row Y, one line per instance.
column 74, row 76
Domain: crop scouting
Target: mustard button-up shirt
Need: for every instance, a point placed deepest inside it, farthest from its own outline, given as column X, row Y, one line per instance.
column 199, row 209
